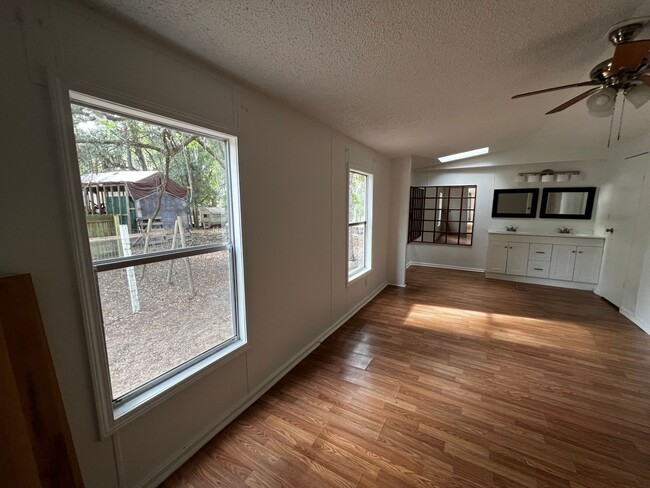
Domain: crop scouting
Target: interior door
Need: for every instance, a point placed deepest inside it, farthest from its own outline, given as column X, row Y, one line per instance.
column 622, row 208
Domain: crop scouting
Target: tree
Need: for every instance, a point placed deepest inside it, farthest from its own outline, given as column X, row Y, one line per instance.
column 112, row 142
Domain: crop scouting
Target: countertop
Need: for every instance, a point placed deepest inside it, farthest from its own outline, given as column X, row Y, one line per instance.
column 550, row 234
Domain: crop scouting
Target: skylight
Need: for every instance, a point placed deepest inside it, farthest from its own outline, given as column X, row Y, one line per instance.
column 463, row 155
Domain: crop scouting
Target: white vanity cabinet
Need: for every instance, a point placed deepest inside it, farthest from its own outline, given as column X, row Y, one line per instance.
column 497, row 257
column 508, row 257
column 587, row 267
column 562, row 262
column 558, row 260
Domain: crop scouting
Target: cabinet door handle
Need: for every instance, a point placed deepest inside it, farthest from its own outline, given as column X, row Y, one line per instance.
column 573, row 252
column 540, row 252
column 505, row 247
column 579, row 252
column 510, row 247
column 538, row 269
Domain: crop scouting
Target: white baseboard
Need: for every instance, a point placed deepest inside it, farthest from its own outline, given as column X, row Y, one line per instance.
column 403, row 285
column 541, row 281
column 641, row 324
column 445, row 266
column 175, row 462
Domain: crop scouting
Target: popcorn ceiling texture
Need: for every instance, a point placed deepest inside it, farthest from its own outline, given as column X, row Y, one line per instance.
column 405, row 77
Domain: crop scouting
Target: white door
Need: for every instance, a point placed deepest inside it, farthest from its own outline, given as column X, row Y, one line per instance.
column 517, row 258
column 562, row 262
column 623, row 198
column 497, row 257
column 587, row 266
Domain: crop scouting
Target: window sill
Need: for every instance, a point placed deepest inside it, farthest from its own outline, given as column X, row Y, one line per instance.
column 130, row 409
column 358, row 275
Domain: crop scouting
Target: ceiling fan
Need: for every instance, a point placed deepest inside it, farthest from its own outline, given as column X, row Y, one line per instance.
column 627, row 71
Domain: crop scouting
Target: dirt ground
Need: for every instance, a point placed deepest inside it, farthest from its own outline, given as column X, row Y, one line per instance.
column 172, row 326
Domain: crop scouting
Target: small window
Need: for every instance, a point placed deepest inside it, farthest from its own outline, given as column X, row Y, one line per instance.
column 442, row 214
column 359, row 223
column 167, row 279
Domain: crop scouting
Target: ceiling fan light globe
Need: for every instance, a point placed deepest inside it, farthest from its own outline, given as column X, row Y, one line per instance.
column 602, row 103
column 606, row 113
column 638, row 95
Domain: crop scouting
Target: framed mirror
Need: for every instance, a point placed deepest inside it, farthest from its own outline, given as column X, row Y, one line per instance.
column 567, row 203
column 521, row 203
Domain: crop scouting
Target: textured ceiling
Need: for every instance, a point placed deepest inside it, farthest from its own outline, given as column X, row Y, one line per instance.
column 427, row 77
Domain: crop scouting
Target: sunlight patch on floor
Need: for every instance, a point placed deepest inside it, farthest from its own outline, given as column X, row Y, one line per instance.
column 504, row 327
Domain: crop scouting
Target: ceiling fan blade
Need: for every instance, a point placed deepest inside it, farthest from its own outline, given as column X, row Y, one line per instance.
column 574, row 100
column 630, row 55
column 573, row 85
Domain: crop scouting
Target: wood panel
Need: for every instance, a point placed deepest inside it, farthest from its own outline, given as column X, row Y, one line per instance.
column 37, row 447
column 454, row 381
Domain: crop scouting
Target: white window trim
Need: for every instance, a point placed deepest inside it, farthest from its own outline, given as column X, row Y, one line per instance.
column 357, row 275
column 113, row 417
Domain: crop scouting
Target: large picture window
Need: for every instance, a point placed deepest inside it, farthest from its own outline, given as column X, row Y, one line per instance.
column 159, row 201
column 359, row 223
column 442, row 214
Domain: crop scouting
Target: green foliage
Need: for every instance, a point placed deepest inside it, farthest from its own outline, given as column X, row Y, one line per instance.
column 112, row 142
column 357, row 197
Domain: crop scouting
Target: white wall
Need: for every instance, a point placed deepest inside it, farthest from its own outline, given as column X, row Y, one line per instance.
column 487, row 180
column 400, row 181
column 293, row 185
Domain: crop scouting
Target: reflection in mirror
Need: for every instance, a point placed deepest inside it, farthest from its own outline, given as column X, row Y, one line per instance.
column 442, row 214
column 567, row 203
column 515, row 203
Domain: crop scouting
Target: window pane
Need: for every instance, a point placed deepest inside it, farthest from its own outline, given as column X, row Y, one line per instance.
column 133, row 198
column 357, row 197
column 357, row 248
column 152, row 325
column 453, row 213
column 429, row 225
column 146, row 188
column 452, row 238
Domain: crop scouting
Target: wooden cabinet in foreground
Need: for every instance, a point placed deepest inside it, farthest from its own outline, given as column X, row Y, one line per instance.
column 37, row 450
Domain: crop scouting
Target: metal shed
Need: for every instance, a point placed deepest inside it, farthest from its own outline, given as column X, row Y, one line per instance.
column 133, row 197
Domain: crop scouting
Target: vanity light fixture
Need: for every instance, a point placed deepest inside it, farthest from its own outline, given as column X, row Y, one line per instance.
column 463, row 155
column 562, row 178
column 547, row 176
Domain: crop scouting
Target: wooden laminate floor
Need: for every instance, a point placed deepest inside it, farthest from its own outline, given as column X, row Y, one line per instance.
column 454, row 381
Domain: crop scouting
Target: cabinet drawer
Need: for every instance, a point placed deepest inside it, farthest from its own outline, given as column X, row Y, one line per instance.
column 540, row 252
column 538, row 269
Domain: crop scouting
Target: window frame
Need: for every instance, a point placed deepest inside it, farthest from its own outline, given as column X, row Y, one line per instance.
column 417, row 221
column 367, row 255
column 114, row 415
